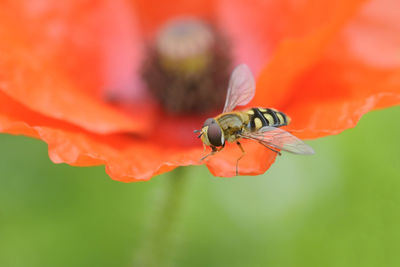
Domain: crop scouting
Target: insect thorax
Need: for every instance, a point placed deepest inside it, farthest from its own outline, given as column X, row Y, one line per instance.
column 232, row 123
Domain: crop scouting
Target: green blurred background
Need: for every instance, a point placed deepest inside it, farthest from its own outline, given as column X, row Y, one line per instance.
column 340, row 207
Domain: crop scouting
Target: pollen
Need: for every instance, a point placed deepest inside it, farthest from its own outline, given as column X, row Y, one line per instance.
column 187, row 68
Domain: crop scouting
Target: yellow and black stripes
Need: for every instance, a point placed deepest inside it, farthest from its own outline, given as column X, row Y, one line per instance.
column 260, row 117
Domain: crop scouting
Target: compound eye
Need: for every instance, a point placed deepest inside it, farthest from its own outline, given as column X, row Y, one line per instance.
column 208, row 122
column 214, row 133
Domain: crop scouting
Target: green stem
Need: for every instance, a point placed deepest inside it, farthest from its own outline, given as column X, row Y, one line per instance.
column 159, row 243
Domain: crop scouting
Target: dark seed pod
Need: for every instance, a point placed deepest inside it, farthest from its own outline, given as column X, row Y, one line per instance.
column 188, row 68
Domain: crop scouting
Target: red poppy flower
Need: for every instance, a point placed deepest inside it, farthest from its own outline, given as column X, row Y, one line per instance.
column 324, row 63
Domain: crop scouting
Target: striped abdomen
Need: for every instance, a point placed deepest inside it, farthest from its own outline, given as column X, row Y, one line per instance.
column 260, row 117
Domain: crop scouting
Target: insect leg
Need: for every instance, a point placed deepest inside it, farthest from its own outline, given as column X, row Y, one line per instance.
column 243, row 153
column 274, row 150
column 206, row 156
column 214, row 150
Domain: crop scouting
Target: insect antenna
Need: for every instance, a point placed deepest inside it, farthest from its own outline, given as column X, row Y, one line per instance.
column 198, row 131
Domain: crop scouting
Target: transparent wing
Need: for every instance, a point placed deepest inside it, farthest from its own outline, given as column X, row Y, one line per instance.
column 241, row 89
column 280, row 139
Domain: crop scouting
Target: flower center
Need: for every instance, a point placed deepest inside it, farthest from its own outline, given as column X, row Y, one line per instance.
column 187, row 69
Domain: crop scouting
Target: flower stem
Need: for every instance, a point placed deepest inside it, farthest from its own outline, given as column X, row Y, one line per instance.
column 160, row 239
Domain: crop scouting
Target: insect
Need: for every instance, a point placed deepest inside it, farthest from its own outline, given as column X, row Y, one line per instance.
column 257, row 124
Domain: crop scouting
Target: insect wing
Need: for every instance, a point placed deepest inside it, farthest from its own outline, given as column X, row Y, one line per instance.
column 280, row 139
column 241, row 89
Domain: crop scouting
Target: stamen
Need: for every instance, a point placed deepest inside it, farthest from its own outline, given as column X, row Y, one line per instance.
column 188, row 67
column 185, row 45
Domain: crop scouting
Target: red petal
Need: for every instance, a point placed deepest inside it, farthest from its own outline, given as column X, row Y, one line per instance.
column 373, row 35
column 153, row 14
column 53, row 61
column 350, row 91
column 257, row 160
column 310, row 33
column 255, row 28
column 127, row 158
column 319, row 80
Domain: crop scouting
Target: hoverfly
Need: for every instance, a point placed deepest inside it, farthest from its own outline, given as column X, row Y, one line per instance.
column 258, row 124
